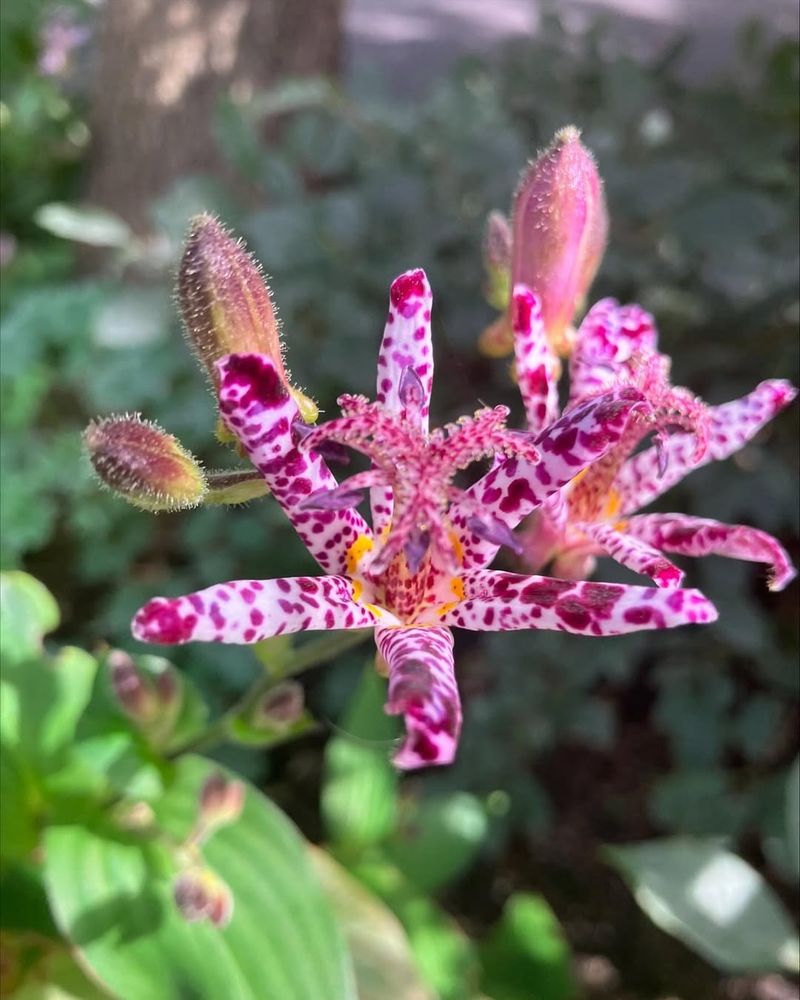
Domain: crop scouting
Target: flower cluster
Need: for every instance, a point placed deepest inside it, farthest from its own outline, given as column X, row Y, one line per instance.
column 419, row 564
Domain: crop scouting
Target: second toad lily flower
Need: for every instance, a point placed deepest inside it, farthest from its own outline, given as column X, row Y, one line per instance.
column 597, row 513
column 420, row 568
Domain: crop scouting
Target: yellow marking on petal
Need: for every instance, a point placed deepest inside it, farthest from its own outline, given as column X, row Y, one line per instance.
column 613, row 503
column 358, row 588
column 357, row 551
column 621, row 526
column 375, row 610
column 458, row 548
column 443, row 609
column 457, row 586
column 577, row 478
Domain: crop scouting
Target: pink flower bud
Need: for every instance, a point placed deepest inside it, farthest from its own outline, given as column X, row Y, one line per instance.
column 226, row 305
column 221, row 802
column 143, row 464
column 280, row 707
column 135, row 696
column 560, row 227
column 200, row 894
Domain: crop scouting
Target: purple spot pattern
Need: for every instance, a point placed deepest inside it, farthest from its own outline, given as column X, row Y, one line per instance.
column 423, row 689
column 262, row 423
column 536, row 365
column 245, row 611
column 496, row 601
column 406, row 342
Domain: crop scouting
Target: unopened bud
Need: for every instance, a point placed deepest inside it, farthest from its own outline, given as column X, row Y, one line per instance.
column 281, row 707
column 148, row 691
column 226, row 304
column 221, row 802
column 143, row 464
column 497, row 251
column 200, row 894
column 560, row 227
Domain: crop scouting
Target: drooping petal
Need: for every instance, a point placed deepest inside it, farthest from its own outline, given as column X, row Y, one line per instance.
column 422, row 688
column 406, row 344
column 700, row 536
column 496, row 601
column 608, row 337
column 245, row 611
column 536, row 364
column 514, row 488
column 634, row 553
column 732, row 425
column 259, row 411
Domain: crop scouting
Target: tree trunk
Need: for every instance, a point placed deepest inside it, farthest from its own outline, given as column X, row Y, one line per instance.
column 162, row 67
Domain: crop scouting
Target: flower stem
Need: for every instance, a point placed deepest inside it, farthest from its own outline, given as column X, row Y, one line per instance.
column 312, row 654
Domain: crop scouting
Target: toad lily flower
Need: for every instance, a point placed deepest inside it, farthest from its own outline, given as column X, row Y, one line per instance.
column 420, row 568
column 596, row 514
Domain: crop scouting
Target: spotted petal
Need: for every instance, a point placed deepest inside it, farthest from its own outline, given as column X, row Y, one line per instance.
column 259, row 411
column 634, row 553
column 732, row 425
column 496, row 601
column 537, row 366
column 422, row 687
column 514, row 488
column 700, row 536
column 608, row 337
column 245, row 611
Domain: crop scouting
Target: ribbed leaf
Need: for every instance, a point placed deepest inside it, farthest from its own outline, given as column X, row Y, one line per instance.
column 112, row 896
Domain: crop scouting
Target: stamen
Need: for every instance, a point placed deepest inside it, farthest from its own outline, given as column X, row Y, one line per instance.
column 337, row 499
column 411, row 390
column 415, row 548
column 493, row 530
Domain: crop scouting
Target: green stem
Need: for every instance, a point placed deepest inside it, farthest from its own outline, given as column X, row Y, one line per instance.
column 310, row 655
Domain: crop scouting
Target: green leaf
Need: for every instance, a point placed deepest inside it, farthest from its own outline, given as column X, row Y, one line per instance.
column 18, row 831
column 438, row 840
column 43, row 702
column 359, row 791
column 527, row 954
column 28, row 612
column 111, row 894
column 85, row 224
column 712, row 900
column 243, row 731
column 382, row 957
column 443, row 953
column 60, row 978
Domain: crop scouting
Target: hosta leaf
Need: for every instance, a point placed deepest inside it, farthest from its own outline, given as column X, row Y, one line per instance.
column 111, row 893
column 712, row 900
column 382, row 957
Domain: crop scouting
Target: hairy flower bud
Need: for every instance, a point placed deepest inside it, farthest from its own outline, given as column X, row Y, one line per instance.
column 560, row 227
column 143, row 464
column 226, row 305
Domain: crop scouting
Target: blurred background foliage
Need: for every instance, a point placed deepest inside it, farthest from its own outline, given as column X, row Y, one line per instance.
column 569, row 743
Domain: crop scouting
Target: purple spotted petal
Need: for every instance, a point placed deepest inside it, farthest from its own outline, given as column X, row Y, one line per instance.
column 536, row 366
column 257, row 409
column 422, row 688
column 245, row 611
column 634, row 553
column 513, row 489
column 496, row 601
column 700, row 536
column 732, row 425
